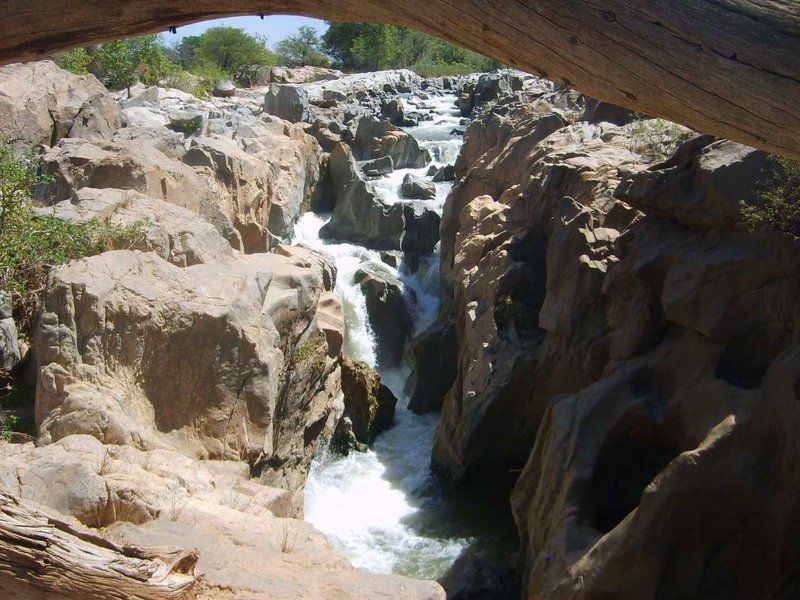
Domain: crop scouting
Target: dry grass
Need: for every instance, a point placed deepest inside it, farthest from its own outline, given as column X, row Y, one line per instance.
column 288, row 537
column 177, row 503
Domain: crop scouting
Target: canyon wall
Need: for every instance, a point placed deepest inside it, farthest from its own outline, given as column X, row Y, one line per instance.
column 627, row 346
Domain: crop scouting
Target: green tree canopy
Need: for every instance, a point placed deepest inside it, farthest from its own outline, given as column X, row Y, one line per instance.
column 235, row 52
column 303, row 48
column 121, row 63
column 370, row 46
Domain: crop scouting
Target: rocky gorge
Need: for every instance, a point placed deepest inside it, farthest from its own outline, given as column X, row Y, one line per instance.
column 355, row 301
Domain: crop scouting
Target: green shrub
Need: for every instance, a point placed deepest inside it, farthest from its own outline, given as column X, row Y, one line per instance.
column 75, row 60
column 32, row 242
column 656, row 139
column 779, row 200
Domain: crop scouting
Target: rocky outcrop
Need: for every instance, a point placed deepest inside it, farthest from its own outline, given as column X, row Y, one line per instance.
column 434, row 353
column 238, row 528
column 361, row 217
column 389, row 307
column 251, row 179
column 176, row 234
column 302, row 74
column 41, row 104
column 113, row 342
column 368, row 407
column 621, row 333
column 529, row 260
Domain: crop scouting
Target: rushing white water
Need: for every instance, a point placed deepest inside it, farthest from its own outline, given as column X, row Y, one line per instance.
column 381, row 507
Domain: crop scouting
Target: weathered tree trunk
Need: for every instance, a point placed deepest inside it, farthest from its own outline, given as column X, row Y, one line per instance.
column 727, row 67
column 44, row 558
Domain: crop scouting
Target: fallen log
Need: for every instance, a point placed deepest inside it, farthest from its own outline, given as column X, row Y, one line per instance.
column 42, row 557
column 726, row 67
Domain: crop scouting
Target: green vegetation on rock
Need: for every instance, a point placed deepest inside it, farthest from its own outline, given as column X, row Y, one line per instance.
column 31, row 241
column 779, row 200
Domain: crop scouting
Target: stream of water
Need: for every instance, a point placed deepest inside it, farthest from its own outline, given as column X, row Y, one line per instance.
column 384, row 509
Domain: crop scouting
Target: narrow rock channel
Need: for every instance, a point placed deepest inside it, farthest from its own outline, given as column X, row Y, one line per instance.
column 373, row 504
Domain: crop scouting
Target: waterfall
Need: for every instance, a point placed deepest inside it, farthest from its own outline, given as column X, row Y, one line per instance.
column 383, row 508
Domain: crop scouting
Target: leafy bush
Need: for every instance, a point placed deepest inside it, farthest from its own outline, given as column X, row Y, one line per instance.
column 121, row 63
column 76, row 60
column 32, row 242
column 779, row 200
column 656, row 139
column 231, row 51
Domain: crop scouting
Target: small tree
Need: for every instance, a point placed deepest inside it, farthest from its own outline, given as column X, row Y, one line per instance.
column 303, row 48
column 121, row 63
column 235, row 52
column 779, row 200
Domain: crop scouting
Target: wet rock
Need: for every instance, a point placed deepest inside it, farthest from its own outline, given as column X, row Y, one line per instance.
column 360, row 217
column 417, row 188
column 378, row 167
column 224, row 89
column 368, row 404
column 435, row 354
column 474, row 577
column 389, row 310
column 392, row 109
column 446, row 173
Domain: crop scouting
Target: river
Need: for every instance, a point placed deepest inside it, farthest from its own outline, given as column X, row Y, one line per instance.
column 383, row 508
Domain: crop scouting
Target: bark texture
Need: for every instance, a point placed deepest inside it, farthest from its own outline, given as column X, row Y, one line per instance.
column 44, row 558
column 726, row 67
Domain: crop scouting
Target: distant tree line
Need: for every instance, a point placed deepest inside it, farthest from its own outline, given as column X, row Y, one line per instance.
column 196, row 63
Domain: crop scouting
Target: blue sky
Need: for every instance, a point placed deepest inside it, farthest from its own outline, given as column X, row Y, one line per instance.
column 275, row 28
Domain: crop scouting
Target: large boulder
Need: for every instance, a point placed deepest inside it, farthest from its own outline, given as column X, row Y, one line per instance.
column 41, row 103
column 368, row 404
column 417, row 188
column 359, row 216
column 133, row 350
column 375, row 138
column 390, row 311
column 288, row 102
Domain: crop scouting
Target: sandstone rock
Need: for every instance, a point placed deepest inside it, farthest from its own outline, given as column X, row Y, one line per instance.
column 702, row 186
column 249, row 325
column 304, row 74
column 375, row 139
column 368, row 404
column 388, row 309
column 176, row 234
column 529, row 263
column 41, row 103
column 417, row 188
